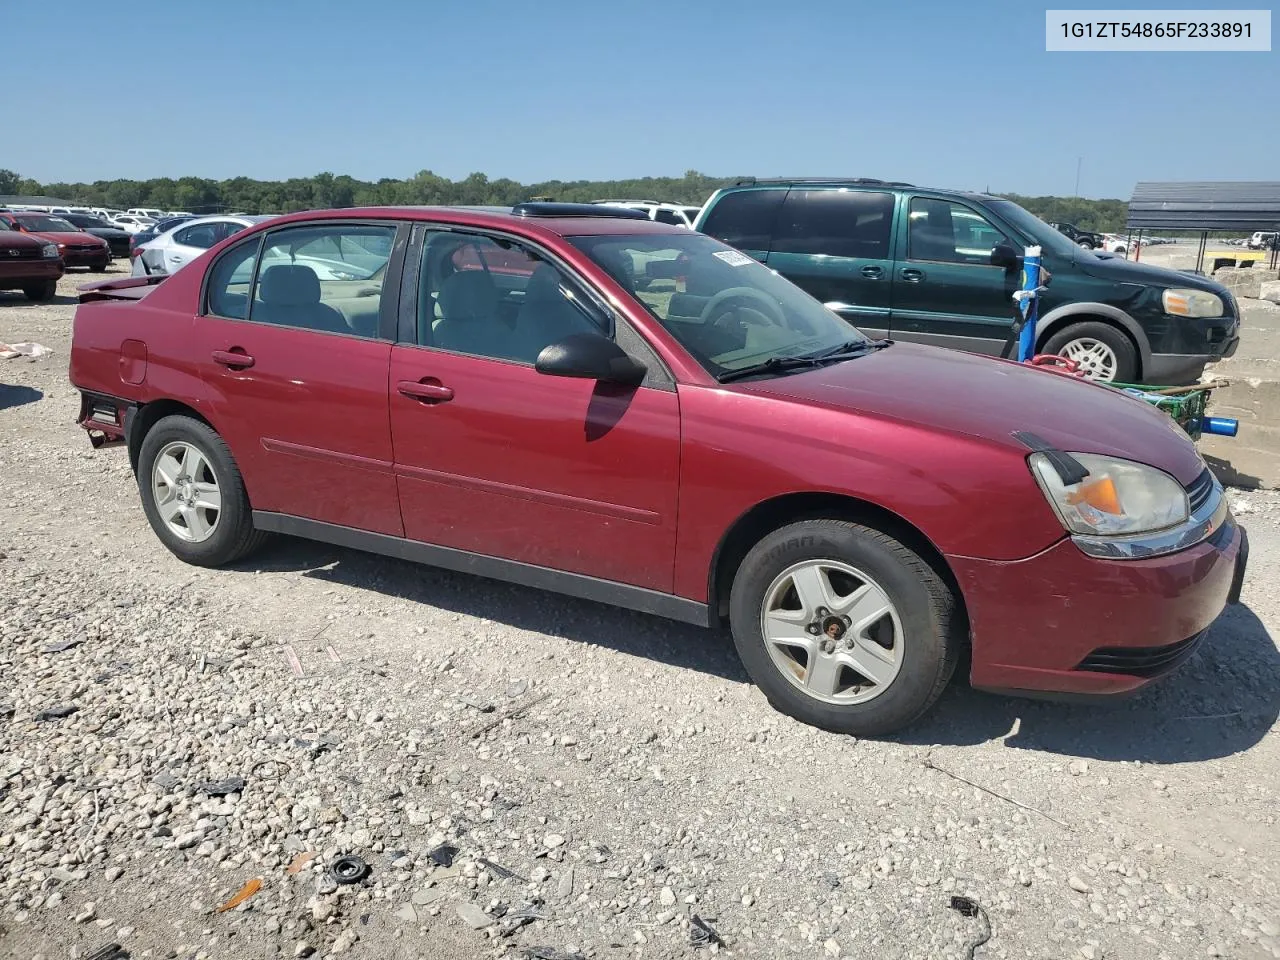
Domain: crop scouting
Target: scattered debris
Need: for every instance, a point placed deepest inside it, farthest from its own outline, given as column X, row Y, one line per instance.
column 348, row 869
column 550, row 953
column 930, row 765
column 220, row 788
column 270, row 769
column 166, row 781
column 475, row 704
column 248, row 890
column 443, row 855
column 500, row 872
column 473, row 916
column 299, row 862
column 291, row 657
column 112, row 951
column 516, row 688
column 967, row 907
column 10, row 350
column 59, row 646
column 513, row 920
column 57, row 712
column 333, row 654
column 701, row 933
column 407, row 913
column 509, row 714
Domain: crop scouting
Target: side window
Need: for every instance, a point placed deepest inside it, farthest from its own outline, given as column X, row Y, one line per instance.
column 202, row 235
column 228, row 288
column 325, row 277
column 948, row 232
column 744, row 219
column 835, row 223
column 669, row 216
column 496, row 299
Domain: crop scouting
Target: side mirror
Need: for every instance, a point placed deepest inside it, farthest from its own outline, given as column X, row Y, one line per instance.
column 590, row 356
column 1005, row 255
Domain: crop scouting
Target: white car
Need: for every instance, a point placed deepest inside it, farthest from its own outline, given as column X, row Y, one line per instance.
column 175, row 248
column 131, row 223
column 680, row 214
column 1115, row 244
column 152, row 212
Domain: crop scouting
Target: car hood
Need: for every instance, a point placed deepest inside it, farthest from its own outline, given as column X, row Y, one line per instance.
column 962, row 393
column 13, row 240
column 1118, row 269
column 64, row 237
column 108, row 233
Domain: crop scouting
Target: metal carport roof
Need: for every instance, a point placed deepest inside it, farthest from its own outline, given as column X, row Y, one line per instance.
column 1205, row 205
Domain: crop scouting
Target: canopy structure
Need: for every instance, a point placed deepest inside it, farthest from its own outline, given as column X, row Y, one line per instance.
column 1201, row 206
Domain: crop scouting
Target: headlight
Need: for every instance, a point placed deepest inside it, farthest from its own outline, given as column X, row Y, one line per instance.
column 1117, row 498
column 49, row 251
column 1184, row 302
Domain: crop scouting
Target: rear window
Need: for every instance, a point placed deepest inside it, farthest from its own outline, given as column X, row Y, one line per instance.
column 745, row 218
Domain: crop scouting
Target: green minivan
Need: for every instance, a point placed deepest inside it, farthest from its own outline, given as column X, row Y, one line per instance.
column 940, row 267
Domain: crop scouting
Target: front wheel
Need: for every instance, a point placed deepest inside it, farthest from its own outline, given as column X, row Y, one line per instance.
column 1102, row 351
column 41, row 291
column 843, row 627
column 193, row 494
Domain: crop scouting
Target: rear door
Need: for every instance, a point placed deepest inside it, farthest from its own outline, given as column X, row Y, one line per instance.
column 300, row 390
column 188, row 243
column 836, row 244
column 745, row 219
column 945, row 290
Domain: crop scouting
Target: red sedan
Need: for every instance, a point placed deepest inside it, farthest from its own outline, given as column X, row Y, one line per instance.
column 575, row 399
column 76, row 248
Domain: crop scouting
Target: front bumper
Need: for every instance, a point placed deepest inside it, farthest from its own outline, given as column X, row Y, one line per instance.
column 21, row 272
column 1065, row 623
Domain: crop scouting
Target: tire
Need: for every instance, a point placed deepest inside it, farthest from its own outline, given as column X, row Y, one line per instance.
column 230, row 534
column 101, row 266
column 1086, row 244
column 1073, row 341
column 923, row 625
column 41, row 291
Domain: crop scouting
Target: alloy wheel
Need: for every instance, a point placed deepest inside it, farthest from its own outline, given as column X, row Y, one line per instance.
column 832, row 631
column 1097, row 360
column 186, row 492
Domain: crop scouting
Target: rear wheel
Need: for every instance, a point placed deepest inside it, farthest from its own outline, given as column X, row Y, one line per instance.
column 193, row 494
column 1086, row 244
column 844, row 627
column 41, row 291
column 1102, row 351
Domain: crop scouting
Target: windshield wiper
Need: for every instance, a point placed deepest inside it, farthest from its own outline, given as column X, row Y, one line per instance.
column 843, row 351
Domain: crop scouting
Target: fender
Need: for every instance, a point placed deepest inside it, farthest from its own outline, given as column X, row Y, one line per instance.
column 1056, row 317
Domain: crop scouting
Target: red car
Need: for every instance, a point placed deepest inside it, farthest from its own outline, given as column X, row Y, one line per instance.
column 572, row 398
column 77, row 249
column 28, row 264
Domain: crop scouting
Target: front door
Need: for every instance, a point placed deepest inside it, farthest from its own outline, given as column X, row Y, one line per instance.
column 945, row 290
column 836, row 245
column 494, row 458
column 299, row 383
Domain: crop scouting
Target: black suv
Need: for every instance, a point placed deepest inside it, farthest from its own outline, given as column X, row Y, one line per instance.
column 1085, row 238
column 940, row 267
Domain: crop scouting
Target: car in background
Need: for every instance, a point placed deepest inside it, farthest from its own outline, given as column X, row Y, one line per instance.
column 678, row 214
column 723, row 450
column 1263, row 240
column 1085, row 238
column 28, row 263
column 1114, row 243
column 940, row 267
column 132, row 223
column 150, row 233
column 75, row 247
column 175, row 248
column 106, row 213
column 117, row 239
column 151, row 213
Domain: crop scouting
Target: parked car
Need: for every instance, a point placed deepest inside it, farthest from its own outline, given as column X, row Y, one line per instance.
column 117, row 239
column 175, row 248
column 76, row 248
column 151, row 213
column 1114, row 243
column 718, row 449
column 916, row 264
column 1263, row 240
column 1084, row 238
column 130, row 223
column 680, row 214
column 28, row 263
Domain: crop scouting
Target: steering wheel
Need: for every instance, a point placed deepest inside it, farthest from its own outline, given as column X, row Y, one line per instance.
column 717, row 313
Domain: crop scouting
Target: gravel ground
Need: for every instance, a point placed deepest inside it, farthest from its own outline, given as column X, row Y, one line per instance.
column 605, row 777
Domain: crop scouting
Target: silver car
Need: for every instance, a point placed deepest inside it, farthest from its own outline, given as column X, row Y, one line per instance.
column 174, row 249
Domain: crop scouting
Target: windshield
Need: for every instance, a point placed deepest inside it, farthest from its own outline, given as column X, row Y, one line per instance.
column 1035, row 228
column 728, row 310
column 47, row 225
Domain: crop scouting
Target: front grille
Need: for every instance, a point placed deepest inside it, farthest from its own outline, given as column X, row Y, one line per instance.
column 1140, row 661
column 1200, row 490
column 84, row 247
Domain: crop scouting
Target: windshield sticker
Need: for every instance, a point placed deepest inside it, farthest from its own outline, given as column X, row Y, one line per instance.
column 733, row 258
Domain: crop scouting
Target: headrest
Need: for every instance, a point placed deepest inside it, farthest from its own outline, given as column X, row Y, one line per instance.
column 468, row 295
column 544, row 284
column 289, row 285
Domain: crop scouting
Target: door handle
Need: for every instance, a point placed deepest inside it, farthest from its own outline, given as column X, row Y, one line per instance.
column 428, row 390
column 872, row 273
column 911, row 275
column 235, row 358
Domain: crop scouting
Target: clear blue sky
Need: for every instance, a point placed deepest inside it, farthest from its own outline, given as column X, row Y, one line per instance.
column 944, row 92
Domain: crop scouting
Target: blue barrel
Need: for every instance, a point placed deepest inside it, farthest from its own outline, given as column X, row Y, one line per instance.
column 1220, row 426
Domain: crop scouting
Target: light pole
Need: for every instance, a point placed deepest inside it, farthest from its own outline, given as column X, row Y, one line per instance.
column 1078, row 161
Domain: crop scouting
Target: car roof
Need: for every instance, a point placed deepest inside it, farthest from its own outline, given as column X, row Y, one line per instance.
column 748, row 183
column 496, row 217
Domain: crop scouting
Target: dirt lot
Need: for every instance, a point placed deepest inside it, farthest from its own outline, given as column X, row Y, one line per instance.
column 626, row 773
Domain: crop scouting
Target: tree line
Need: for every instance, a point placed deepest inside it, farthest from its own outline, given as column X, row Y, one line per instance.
column 326, row 190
